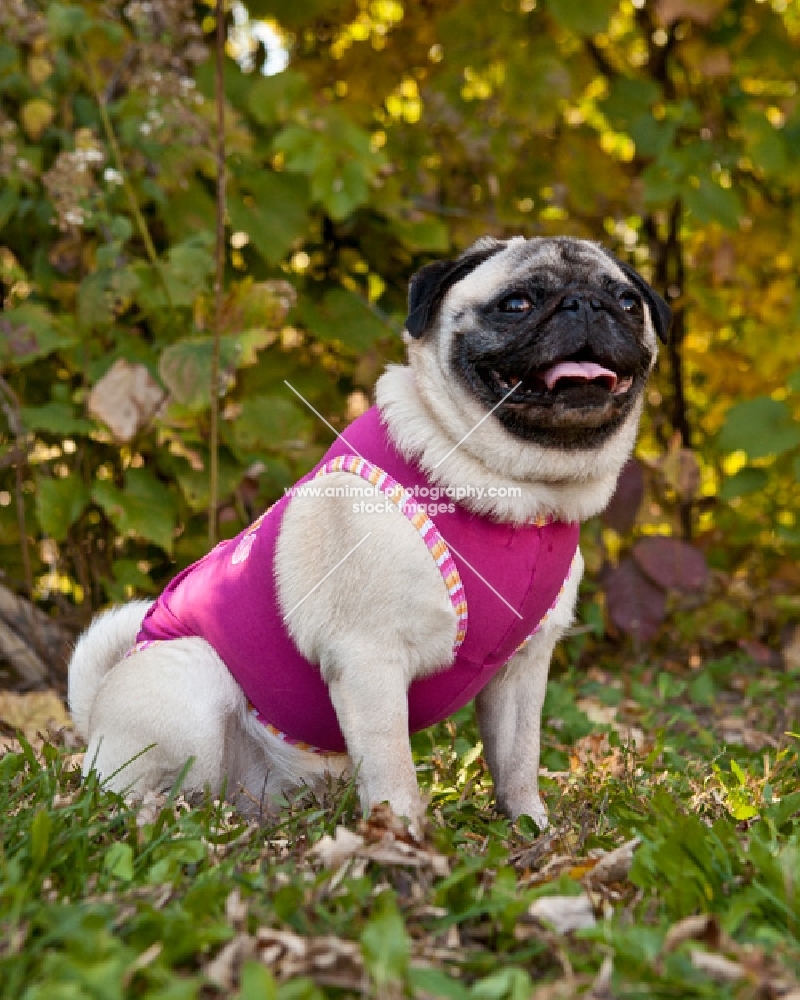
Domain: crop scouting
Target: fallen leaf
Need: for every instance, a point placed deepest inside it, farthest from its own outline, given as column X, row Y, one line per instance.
column 33, row 712
column 223, row 969
column 699, row 927
column 564, row 913
column 594, row 750
column 334, row 851
column 615, row 865
column 722, row 969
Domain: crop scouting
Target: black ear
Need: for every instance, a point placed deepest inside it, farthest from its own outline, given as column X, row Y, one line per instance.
column 659, row 310
column 430, row 284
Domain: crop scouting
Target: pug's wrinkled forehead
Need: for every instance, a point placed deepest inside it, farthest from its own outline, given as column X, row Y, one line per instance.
column 554, row 262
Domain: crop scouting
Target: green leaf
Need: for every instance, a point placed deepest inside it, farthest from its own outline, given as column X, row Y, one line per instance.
column 127, row 577
column 344, row 316
column 271, row 423
column 66, row 21
column 28, row 332
column 433, row 982
column 145, row 507
column 273, row 99
column 764, row 143
column 195, row 485
column 185, row 367
column 426, row 235
column 760, row 427
column 272, row 209
column 256, row 983
column 105, row 294
column 652, row 137
column 59, row 504
column 336, row 155
column 793, row 381
column 744, row 482
column 340, row 188
column 709, row 202
column 41, row 827
column 628, row 99
column 55, row 418
column 119, row 861
column 505, row 984
column 385, row 944
column 9, row 200
column 185, row 272
column 589, row 17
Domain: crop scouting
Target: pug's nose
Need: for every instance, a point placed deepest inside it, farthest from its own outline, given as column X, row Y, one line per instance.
column 581, row 304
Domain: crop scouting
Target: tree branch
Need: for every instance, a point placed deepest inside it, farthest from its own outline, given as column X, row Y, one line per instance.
column 219, row 277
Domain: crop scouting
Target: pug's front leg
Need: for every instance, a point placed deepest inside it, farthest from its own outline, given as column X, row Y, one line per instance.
column 364, row 599
column 509, row 717
column 510, row 712
column 368, row 691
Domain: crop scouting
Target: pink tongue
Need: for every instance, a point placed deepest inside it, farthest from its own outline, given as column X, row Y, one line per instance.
column 586, row 370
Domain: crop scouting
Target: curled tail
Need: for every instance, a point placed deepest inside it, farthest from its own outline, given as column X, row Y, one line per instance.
column 103, row 645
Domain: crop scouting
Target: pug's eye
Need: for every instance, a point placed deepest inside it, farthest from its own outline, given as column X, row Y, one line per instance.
column 515, row 304
column 628, row 301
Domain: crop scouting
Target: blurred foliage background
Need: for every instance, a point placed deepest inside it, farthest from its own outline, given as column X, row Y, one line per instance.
column 365, row 138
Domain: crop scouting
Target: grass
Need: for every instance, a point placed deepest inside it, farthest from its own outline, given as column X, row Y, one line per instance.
column 177, row 901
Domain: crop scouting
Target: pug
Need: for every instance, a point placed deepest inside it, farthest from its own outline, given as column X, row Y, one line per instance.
column 430, row 558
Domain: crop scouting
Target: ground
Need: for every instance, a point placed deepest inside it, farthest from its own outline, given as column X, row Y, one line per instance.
column 672, row 867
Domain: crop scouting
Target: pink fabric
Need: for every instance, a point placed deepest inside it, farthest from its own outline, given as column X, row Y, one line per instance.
column 229, row 598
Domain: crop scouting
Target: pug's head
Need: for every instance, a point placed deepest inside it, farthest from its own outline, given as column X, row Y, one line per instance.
column 554, row 337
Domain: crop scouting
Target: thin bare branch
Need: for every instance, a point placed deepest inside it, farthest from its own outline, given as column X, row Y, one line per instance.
column 12, row 409
column 220, row 273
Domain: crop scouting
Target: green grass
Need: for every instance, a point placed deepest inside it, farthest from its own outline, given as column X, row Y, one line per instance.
column 98, row 900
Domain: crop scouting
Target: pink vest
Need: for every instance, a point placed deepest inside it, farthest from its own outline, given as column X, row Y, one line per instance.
column 502, row 580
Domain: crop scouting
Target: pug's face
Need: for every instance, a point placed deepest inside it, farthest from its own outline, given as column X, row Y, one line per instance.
column 554, row 336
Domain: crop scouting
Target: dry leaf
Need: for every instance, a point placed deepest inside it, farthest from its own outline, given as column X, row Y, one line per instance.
column 791, row 650
column 717, row 966
column 614, row 866
column 334, row 851
column 564, row 913
column 236, row 909
column 329, row 960
column 596, row 751
column 125, row 399
column 33, row 712
column 700, row 927
column 223, row 969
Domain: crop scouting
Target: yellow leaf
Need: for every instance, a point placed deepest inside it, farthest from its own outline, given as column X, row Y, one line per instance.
column 39, row 69
column 36, row 116
column 31, row 712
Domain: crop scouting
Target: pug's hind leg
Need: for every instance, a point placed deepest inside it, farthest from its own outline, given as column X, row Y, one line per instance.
column 159, row 709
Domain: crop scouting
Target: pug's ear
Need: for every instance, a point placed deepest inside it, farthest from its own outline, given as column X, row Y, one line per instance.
column 430, row 284
column 659, row 310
